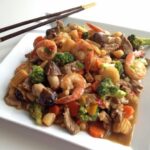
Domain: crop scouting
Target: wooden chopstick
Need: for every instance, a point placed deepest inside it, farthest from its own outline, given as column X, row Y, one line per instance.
column 36, row 19
column 52, row 19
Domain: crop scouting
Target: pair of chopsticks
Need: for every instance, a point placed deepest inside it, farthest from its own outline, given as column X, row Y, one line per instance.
column 51, row 18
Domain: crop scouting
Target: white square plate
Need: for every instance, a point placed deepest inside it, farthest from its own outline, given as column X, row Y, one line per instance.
column 141, row 137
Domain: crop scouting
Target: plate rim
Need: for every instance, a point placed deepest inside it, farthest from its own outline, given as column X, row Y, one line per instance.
column 22, row 39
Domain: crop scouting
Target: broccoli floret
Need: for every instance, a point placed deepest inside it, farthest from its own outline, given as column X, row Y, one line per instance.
column 63, row 58
column 119, row 93
column 37, row 75
column 119, row 67
column 84, row 116
column 36, row 112
column 107, row 88
column 104, row 87
column 116, row 92
column 138, row 41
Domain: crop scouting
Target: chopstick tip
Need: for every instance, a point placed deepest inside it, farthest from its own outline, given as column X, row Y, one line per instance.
column 88, row 5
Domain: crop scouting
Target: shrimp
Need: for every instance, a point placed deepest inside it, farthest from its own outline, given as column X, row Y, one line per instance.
column 81, row 49
column 94, row 63
column 72, row 82
column 37, row 40
column 33, row 55
column 46, row 49
column 135, row 68
column 86, row 52
column 64, row 42
column 94, row 28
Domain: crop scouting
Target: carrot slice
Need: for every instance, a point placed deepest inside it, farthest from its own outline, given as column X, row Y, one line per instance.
column 128, row 111
column 96, row 130
column 55, row 109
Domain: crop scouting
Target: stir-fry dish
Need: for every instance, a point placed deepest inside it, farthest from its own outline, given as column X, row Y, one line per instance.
column 82, row 78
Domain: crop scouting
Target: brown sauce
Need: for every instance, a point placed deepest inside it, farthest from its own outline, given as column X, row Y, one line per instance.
column 125, row 139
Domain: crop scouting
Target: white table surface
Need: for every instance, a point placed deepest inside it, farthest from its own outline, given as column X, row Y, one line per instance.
column 127, row 13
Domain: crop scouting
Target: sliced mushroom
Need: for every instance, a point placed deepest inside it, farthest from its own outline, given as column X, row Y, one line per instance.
column 47, row 97
column 20, row 95
column 100, row 37
column 52, row 32
column 108, row 42
column 126, row 45
column 52, row 69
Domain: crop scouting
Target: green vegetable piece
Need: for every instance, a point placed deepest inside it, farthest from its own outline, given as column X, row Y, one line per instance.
column 80, row 65
column 84, row 116
column 119, row 67
column 137, row 42
column 36, row 112
column 63, row 58
column 85, row 35
column 116, row 92
column 113, row 90
column 107, row 88
column 119, row 93
column 37, row 75
column 104, row 87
